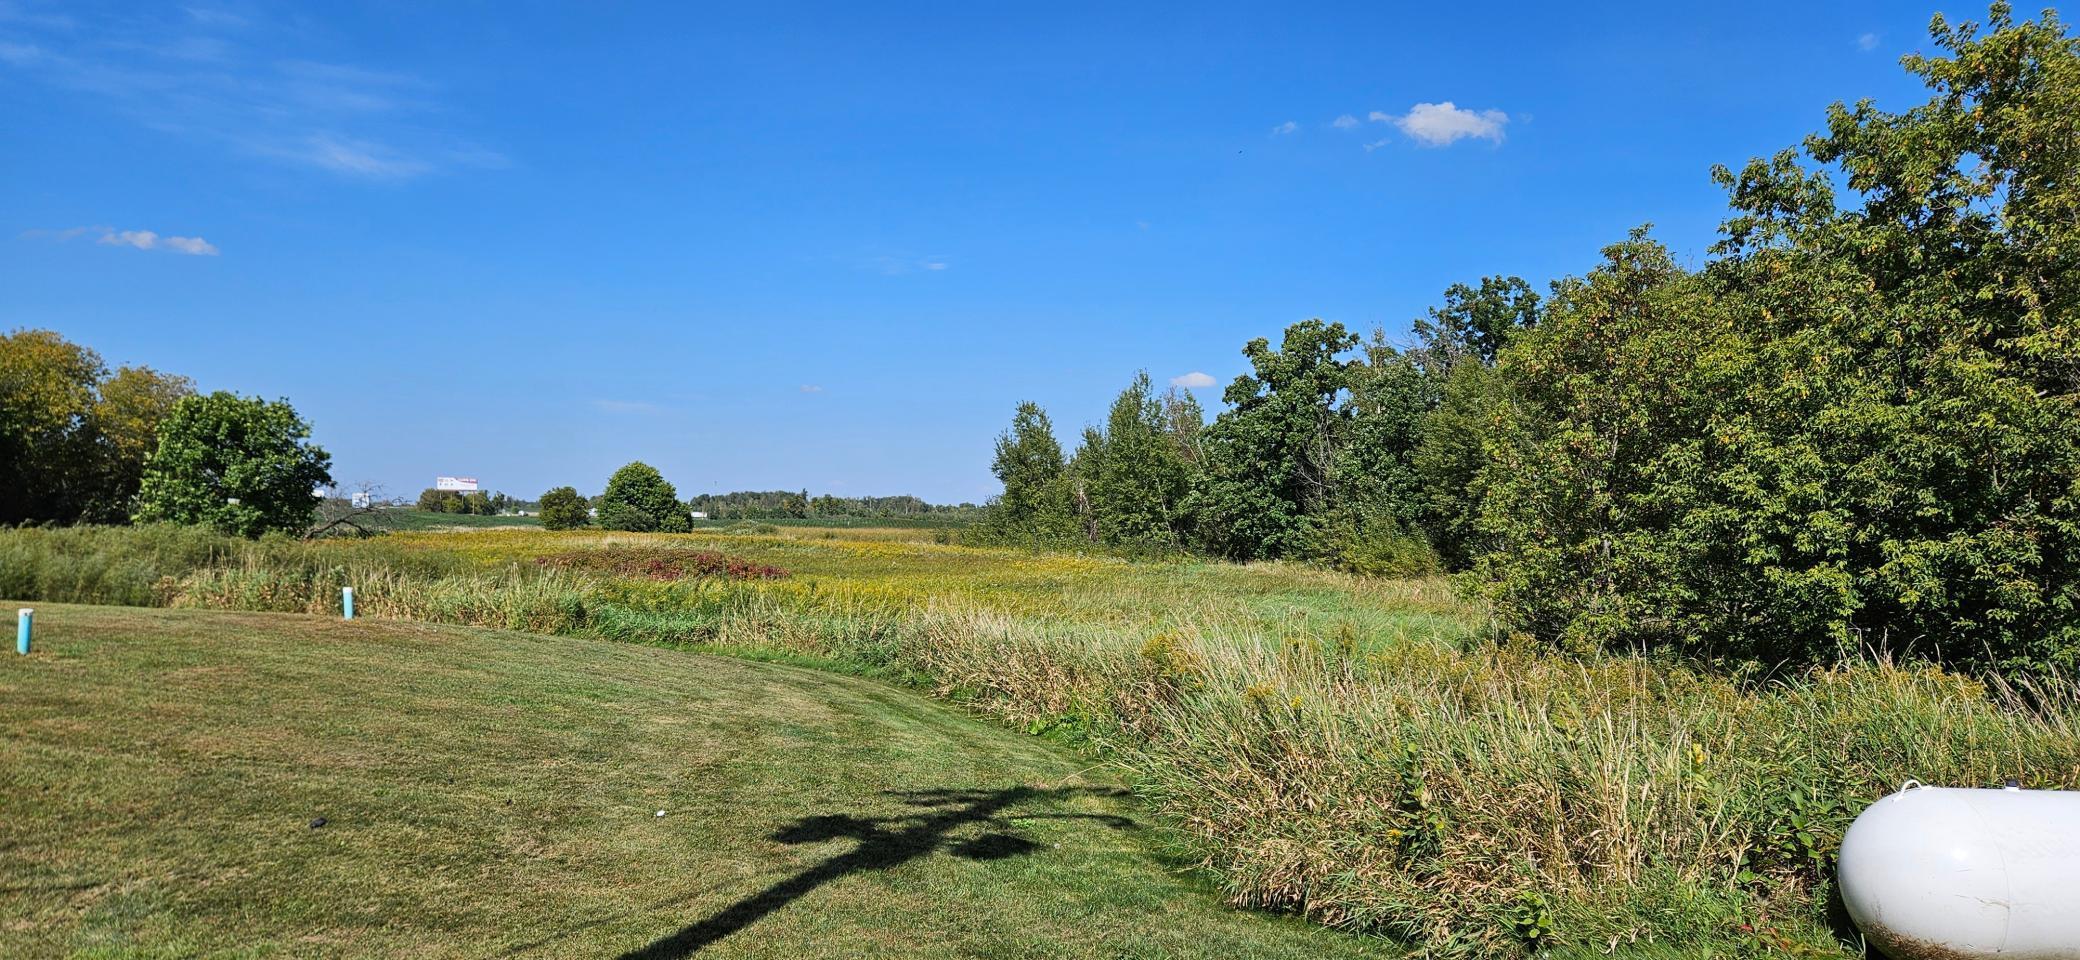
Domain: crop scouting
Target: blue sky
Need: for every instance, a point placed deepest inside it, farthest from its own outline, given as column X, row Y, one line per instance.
column 831, row 246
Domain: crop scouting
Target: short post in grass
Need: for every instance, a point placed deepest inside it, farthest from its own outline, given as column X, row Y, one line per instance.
column 24, row 622
column 346, row 603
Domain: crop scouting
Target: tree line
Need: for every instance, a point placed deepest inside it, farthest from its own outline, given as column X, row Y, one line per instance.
column 784, row 504
column 473, row 503
column 1856, row 426
column 638, row 498
column 82, row 444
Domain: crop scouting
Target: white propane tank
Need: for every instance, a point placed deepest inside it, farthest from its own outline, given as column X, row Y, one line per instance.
column 1944, row 872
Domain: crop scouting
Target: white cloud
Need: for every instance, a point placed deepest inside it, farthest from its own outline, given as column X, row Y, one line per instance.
column 625, row 406
column 900, row 264
column 1441, row 124
column 219, row 78
column 1344, row 122
column 1284, row 128
column 358, row 158
column 1192, row 381
column 141, row 239
column 811, row 388
column 134, row 239
column 1867, row 42
column 193, row 246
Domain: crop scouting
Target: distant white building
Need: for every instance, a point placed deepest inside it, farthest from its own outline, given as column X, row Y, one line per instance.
column 700, row 515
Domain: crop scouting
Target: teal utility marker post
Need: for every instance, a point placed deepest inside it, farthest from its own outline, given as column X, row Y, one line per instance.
column 24, row 621
column 346, row 602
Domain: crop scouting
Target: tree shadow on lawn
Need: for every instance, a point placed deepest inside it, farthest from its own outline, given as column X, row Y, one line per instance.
column 938, row 823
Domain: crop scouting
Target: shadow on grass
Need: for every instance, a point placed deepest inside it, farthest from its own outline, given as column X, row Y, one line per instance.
column 940, row 822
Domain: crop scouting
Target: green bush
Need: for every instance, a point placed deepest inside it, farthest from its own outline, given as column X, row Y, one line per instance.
column 563, row 509
column 638, row 498
column 1859, row 429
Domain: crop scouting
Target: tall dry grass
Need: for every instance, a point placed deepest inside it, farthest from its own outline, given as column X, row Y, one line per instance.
column 1468, row 798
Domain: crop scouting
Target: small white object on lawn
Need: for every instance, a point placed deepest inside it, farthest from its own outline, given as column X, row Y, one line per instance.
column 660, row 813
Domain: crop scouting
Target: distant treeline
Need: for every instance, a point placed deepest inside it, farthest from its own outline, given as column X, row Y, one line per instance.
column 1855, row 427
column 783, row 504
column 473, row 503
column 639, row 498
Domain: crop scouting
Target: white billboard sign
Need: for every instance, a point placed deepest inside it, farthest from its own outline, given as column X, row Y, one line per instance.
column 454, row 483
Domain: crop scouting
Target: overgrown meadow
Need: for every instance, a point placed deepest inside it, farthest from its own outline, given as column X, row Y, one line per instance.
column 1362, row 751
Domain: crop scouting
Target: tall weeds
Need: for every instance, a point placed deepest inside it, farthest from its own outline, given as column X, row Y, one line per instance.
column 1467, row 798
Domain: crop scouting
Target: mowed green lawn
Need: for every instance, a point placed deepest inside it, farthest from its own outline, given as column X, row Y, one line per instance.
column 495, row 794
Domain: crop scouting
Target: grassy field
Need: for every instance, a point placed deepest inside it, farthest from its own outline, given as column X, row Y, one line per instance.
column 405, row 518
column 1361, row 751
column 495, row 794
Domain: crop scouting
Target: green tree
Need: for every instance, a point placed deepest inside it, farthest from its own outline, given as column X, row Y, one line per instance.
column 1184, row 424
column 1474, row 324
column 1137, row 487
column 638, row 498
column 1456, row 350
column 243, row 466
column 1035, row 504
column 1270, row 466
column 1858, row 427
column 1900, row 469
column 128, row 409
column 1451, row 457
column 1377, row 498
column 563, row 509
column 1585, row 489
column 46, row 439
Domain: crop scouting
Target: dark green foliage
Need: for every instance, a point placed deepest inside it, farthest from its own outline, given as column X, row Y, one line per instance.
column 1270, row 462
column 1860, row 427
column 475, row 503
column 1475, row 325
column 240, row 465
column 1451, row 455
column 1585, row 550
column 1457, row 347
column 774, row 505
column 1135, row 474
column 74, row 437
column 1036, row 504
column 1373, row 525
column 563, row 509
column 638, row 498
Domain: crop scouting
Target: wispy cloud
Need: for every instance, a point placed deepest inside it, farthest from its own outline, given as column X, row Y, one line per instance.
column 1192, row 381
column 1344, row 122
column 134, row 239
column 1284, row 128
column 626, row 406
column 207, row 74
column 898, row 264
column 1443, row 124
column 1867, row 42
column 811, row 388
column 361, row 158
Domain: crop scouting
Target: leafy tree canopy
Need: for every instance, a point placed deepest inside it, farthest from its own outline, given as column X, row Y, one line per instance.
column 638, row 498
column 563, row 509
column 241, row 465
